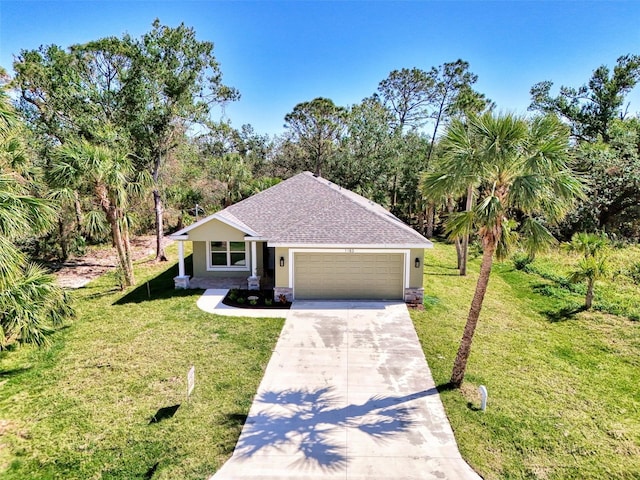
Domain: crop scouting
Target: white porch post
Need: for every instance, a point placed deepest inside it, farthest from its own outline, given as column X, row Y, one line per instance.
column 254, row 262
column 181, row 259
column 182, row 280
column 253, row 282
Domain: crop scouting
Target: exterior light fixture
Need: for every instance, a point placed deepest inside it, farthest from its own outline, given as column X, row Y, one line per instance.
column 417, row 262
column 282, row 261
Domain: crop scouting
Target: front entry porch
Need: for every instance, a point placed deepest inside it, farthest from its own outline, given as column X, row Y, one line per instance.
column 227, row 282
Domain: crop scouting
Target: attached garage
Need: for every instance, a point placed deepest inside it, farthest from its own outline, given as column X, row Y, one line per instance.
column 333, row 275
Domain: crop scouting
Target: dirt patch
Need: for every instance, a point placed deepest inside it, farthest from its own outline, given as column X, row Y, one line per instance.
column 78, row 271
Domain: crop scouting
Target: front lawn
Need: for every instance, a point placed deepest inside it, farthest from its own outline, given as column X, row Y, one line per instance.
column 564, row 398
column 83, row 407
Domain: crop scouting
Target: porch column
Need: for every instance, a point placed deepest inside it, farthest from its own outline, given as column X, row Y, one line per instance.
column 181, row 259
column 253, row 282
column 254, row 260
column 182, row 280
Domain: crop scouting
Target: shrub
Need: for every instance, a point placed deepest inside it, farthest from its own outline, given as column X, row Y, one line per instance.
column 634, row 272
column 521, row 261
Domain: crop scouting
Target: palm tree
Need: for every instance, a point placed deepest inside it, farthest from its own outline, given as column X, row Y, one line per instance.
column 30, row 301
column 109, row 175
column 523, row 180
column 459, row 147
column 593, row 265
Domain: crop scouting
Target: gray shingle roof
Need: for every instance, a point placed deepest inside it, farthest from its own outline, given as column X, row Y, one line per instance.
column 308, row 210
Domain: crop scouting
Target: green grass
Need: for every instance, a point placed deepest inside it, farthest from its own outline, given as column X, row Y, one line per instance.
column 563, row 384
column 81, row 408
column 617, row 296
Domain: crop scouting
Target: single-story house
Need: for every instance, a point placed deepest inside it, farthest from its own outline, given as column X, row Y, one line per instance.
column 313, row 240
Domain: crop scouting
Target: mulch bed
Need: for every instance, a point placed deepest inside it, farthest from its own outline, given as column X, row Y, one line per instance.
column 240, row 298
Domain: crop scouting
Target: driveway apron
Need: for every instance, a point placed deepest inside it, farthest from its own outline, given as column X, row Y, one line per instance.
column 347, row 394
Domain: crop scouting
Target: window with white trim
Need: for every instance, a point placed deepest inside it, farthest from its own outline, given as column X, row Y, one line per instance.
column 227, row 255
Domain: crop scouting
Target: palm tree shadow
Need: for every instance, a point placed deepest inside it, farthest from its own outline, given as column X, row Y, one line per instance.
column 563, row 314
column 160, row 287
column 14, row 372
column 312, row 423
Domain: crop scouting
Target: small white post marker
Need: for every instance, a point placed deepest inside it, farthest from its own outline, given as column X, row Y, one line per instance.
column 191, row 380
column 483, row 397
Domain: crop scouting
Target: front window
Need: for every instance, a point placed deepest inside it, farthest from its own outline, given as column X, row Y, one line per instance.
column 228, row 255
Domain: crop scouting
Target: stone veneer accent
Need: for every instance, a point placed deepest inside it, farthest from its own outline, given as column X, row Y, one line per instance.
column 286, row 291
column 181, row 283
column 253, row 283
column 414, row 296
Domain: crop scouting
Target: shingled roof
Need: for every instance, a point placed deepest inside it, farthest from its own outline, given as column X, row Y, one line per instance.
column 306, row 210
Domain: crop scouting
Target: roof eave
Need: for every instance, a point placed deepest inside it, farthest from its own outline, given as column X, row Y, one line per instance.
column 350, row 245
column 180, row 234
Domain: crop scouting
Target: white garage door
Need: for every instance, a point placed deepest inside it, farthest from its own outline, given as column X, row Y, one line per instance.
column 348, row 275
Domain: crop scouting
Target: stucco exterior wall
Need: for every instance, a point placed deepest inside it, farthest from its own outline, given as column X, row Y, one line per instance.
column 216, row 230
column 416, row 275
column 200, row 261
column 282, row 273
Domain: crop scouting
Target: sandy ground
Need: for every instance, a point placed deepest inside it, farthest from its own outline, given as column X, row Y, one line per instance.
column 78, row 271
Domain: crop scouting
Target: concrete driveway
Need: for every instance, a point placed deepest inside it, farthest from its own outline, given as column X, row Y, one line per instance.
column 347, row 394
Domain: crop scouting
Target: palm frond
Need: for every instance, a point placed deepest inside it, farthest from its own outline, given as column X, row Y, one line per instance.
column 508, row 239
column 96, row 223
column 10, row 261
column 537, row 238
column 489, row 212
column 589, row 268
column 21, row 213
column 459, row 224
column 32, row 306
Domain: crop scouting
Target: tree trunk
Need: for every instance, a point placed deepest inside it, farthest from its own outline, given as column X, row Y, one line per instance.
column 122, row 257
column 180, row 225
column 458, row 245
column 394, row 193
column 588, row 301
column 456, row 240
column 78, row 209
column 157, row 203
column 465, row 238
column 460, row 364
column 435, row 129
column 111, row 213
column 64, row 248
column 127, row 245
column 430, row 220
column 158, row 207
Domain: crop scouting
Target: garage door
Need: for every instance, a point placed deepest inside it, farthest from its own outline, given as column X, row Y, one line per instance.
column 348, row 276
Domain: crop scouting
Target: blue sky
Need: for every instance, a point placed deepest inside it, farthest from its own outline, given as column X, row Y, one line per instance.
column 280, row 53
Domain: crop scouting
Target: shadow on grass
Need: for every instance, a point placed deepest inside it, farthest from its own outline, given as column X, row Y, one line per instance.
column 437, row 274
column 235, row 419
column 446, row 387
column 102, row 293
column 472, row 407
column 151, row 472
column 563, row 314
column 159, row 287
column 13, row 372
column 164, row 413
